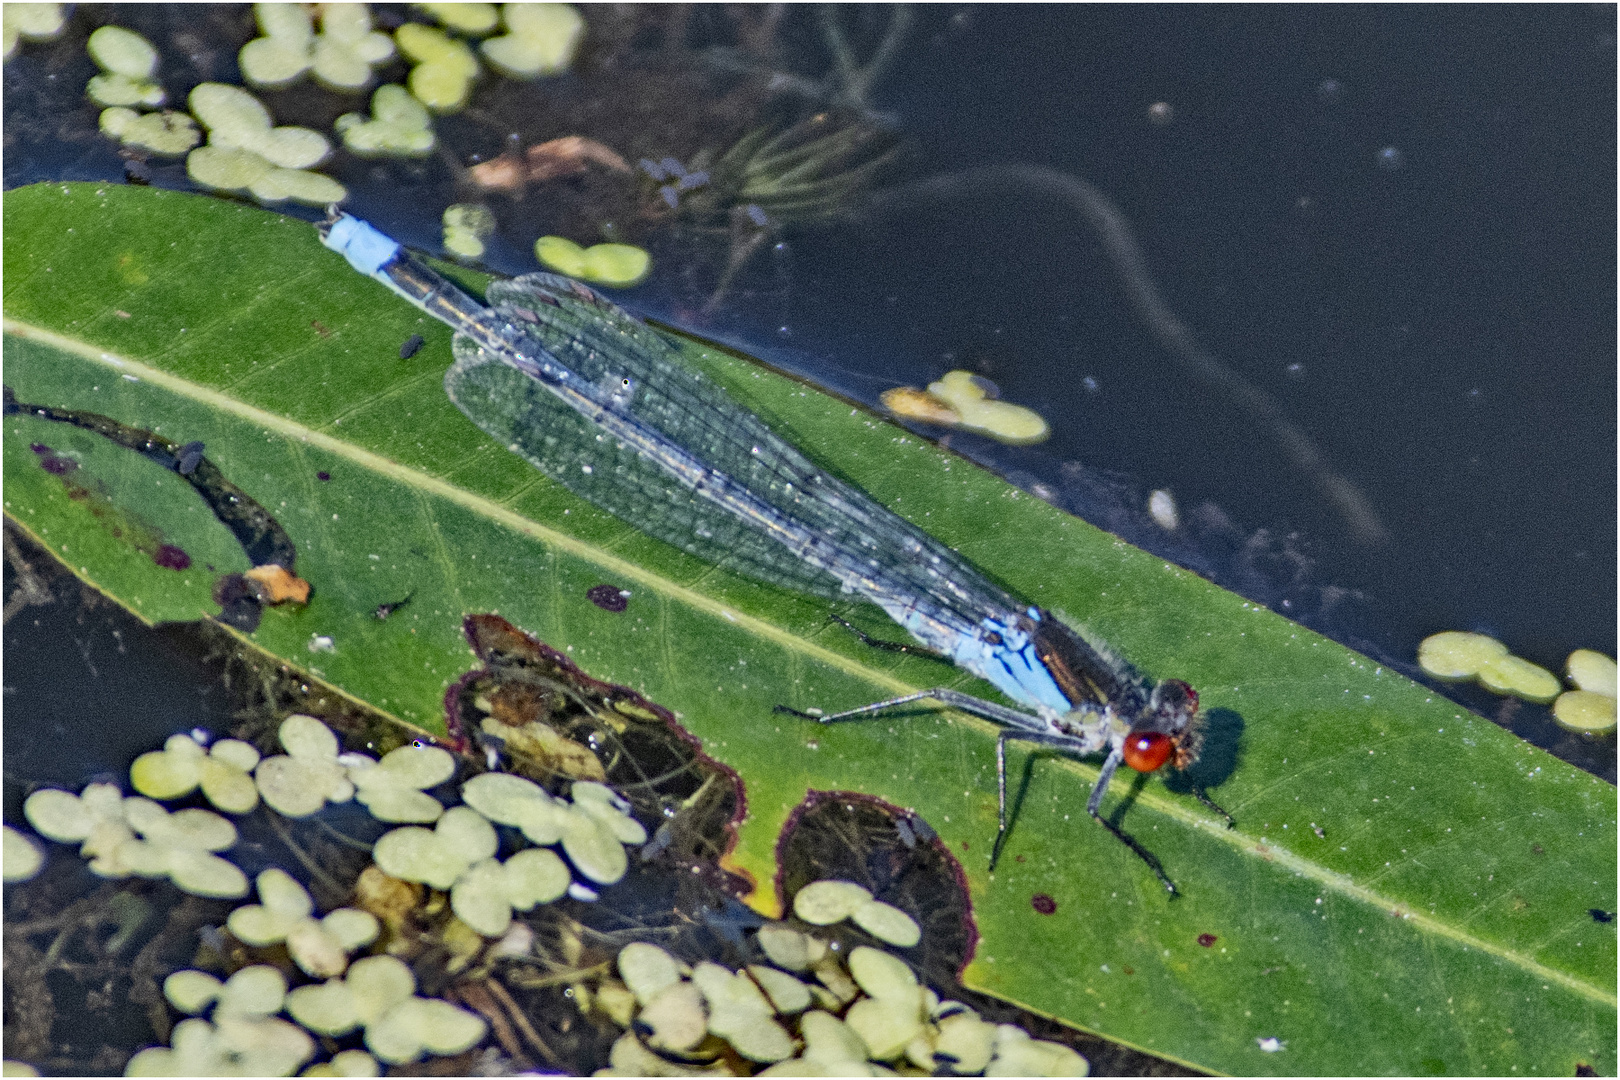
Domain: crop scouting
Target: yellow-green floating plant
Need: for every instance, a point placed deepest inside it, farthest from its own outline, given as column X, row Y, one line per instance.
column 29, row 22
column 127, row 62
column 399, row 125
column 616, row 265
column 341, row 56
column 445, row 68
column 540, row 39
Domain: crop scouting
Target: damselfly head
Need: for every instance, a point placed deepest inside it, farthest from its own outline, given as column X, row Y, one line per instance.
column 1169, row 733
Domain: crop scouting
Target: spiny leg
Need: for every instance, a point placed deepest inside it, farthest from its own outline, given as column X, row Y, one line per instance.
column 1093, row 805
column 1203, row 796
column 889, row 646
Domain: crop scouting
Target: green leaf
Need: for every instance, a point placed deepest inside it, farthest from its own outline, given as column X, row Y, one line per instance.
column 1407, row 890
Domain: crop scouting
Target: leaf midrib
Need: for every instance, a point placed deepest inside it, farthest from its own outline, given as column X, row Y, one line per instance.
column 625, row 570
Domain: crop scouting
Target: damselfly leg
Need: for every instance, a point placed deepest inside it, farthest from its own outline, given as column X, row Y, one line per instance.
column 1025, row 728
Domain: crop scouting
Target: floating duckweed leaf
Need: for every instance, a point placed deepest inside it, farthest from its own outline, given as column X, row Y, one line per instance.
column 167, row 133
column 391, row 789
column 423, row 1024
column 306, row 737
column 787, row 994
column 474, row 19
column 63, row 816
column 967, row 1041
column 593, row 848
column 822, row 903
column 282, row 55
column 399, row 124
column 619, row 265
column 887, row 923
column 1519, row 677
column 479, row 899
column 127, row 61
column 191, row 991
column 1016, row 1054
column 469, row 832
column 1592, row 671
column 30, row 22
column 541, row 39
column 182, row 765
column 466, row 225
column 884, row 1025
column 675, row 1017
column 535, row 876
column 786, row 947
column 1585, row 711
column 256, row 990
column 884, row 976
column 979, row 411
column 23, row 857
column 327, row 1008
column 1454, row 654
column 830, row 1041
column 445, row 68
column 235, row 118
column 346, row 1063
column 502, row 797
column 647, row 970
column 348, row 48
column 416, row 854
column 283, row 903
column 353, row 927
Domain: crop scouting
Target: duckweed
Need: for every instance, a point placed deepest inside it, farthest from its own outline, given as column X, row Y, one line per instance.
column 887, row 923
column 235, row 1046
column 1585, row 711
column 473, row 19
column 399, row 125
column 23, row 857
column 392, row 789
column 822, row 903
column 285, row 912
column 183, row 765
column 540, row 39
column 308, row 776
column 1591, row 671
column 616, row 265
column 1455, row 654
column 127, row 61
column 244, row 153
column 466, row 226
column 341, row 56
column 974, row 399
column 1519, row 677
column 445, row 68
column 30, row 22
column 167, row 133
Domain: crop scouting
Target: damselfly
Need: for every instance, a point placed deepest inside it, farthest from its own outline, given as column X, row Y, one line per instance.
column 605, row 404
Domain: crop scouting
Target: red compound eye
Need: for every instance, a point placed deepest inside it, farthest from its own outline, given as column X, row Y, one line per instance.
column 1146, row 751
